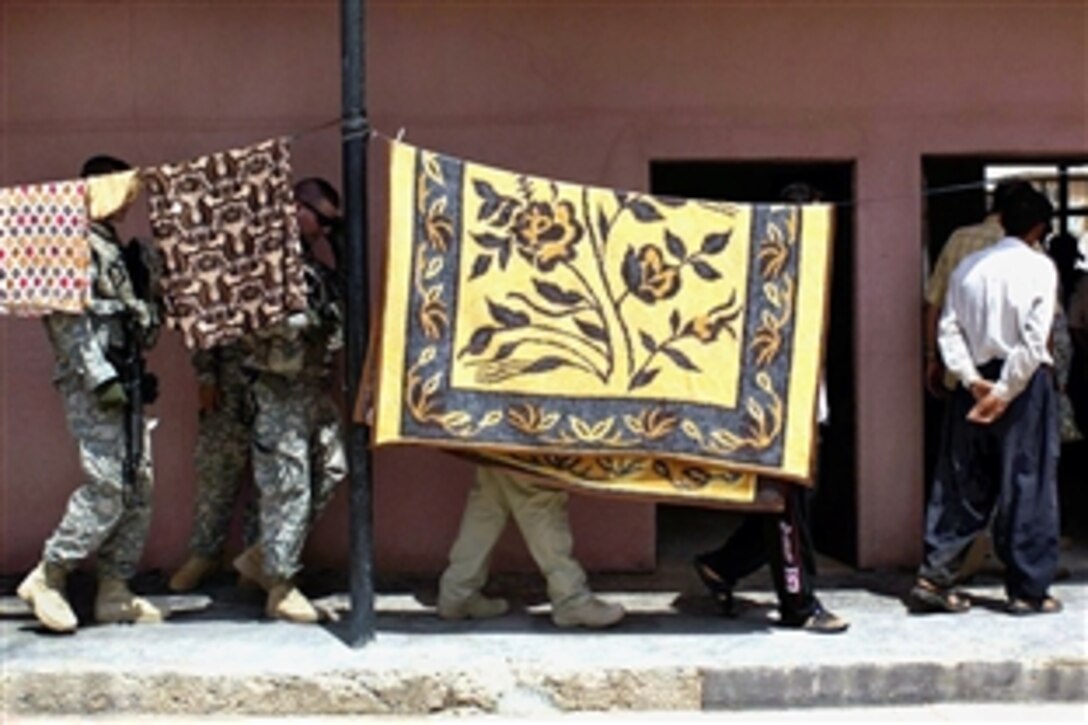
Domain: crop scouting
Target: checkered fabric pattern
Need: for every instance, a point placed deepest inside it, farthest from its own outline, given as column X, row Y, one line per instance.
column 45, row 260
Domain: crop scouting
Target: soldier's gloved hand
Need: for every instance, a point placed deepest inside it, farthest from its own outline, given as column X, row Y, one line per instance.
column 149, row 388
column 145, row 317
column 111, row 394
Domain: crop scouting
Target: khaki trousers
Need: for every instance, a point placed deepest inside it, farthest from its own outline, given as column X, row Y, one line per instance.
column 541, row 515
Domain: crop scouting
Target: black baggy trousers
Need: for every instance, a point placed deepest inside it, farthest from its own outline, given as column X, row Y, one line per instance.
column 784, row 541
column 1006, row 470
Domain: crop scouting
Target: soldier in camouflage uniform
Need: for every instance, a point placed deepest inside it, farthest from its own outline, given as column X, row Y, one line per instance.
column 222, row 451
column 100, row 518
column 298, row 453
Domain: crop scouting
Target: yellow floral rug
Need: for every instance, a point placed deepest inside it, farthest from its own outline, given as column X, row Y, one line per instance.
column 616, row 341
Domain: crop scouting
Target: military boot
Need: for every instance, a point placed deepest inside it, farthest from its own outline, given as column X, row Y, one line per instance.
column 250, row 564
column 43, row 590
column 286, row 602
column 115, row 602
column 189, row 576
column 592, row 613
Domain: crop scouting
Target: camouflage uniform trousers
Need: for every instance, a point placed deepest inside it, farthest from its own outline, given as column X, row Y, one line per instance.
column 222, row 451
column 298, row 458
column 97, row 518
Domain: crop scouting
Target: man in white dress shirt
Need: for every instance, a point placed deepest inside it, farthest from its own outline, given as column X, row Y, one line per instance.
column 1000, row 444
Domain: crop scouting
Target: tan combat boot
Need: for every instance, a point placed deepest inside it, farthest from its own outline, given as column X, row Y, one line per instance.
column 475, row 607
column 250, row 564
column 286, row 602
column 592, row 613
column 43, row 590
column 189, row 576
column 115, row 602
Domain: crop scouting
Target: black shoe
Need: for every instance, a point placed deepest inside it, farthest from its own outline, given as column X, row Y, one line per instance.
column 820, row 621
column 720, row 591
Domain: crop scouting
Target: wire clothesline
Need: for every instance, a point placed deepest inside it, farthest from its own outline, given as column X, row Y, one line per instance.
column 927, row 192
column 370, row 131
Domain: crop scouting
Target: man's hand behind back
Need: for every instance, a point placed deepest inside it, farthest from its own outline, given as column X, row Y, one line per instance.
column 987, row 409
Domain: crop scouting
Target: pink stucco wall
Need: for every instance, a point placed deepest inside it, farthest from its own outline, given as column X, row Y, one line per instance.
column 577, row 90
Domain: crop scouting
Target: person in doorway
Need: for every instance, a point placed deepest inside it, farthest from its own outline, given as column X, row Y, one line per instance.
column 1071, row 375
column 962, row 242
column 297, row 440
column 541, row 516
column 1077, row 317
column 110, row 514
column 1072, row 369
column 1000, row 442
column 1062, row 250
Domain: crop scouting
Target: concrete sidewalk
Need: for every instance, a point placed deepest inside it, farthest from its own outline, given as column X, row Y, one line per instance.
column 672, row 653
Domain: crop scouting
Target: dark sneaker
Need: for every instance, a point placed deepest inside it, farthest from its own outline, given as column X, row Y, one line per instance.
column 819, row 622
column 825, row 622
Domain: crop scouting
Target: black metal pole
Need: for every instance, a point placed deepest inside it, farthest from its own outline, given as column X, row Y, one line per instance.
column 353, row 132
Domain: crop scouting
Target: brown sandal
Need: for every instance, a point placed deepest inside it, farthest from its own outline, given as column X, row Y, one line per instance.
column 926, row 596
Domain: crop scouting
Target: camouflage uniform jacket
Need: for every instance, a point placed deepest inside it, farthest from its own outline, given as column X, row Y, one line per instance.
column 302, row 346
column 82, row 343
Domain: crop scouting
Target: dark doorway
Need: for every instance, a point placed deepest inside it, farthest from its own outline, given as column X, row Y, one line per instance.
column 835, row 507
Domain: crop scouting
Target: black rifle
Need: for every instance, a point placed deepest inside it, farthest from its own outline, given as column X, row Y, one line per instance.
column 131, row 372
column 138, row 385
